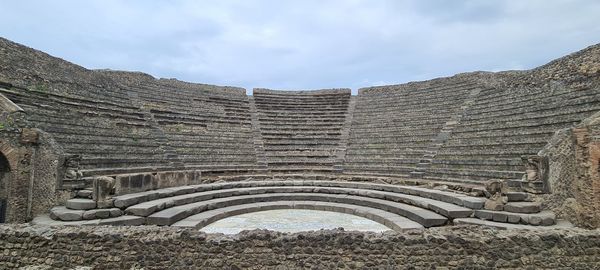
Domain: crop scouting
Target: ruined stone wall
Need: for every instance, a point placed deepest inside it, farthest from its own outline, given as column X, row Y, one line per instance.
column 45, row 189
column 29, row 184
column 170, row 248
column 574, row 154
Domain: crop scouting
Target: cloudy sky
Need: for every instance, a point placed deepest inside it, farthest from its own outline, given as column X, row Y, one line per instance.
column 304, row 44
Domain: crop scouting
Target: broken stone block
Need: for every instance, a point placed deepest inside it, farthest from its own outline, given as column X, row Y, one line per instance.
column 496, row 202
column 29, row 136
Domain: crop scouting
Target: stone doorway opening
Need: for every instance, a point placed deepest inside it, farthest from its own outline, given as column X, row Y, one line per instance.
column 4, row 180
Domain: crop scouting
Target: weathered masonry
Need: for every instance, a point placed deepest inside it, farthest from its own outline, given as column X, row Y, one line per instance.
column 511, row 150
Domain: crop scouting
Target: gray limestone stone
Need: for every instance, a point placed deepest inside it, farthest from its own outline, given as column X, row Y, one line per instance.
column 84, row 193
column 80, row 204
column 500, row 217
column 517, row 196
column 108, row 203
column 123, row 221
column 65, row 214
column 96, row 213
column 523, row 207
column 115, row 212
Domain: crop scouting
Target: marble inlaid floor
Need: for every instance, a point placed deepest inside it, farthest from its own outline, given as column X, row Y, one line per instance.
column 293, row 220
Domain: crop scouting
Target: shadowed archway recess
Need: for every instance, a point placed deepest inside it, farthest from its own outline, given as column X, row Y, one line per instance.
column 4, row 180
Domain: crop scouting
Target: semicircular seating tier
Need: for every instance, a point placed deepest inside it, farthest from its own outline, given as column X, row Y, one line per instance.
column 399, row 207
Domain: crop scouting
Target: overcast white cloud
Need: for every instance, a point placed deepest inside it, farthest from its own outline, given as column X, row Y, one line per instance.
column 304, row 44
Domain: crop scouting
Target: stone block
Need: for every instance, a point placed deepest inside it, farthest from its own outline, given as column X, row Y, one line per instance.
column 500, row 217
column 96, row 213
column 147, row 182
column 122, row 184
column 108, row 203
column 80, row 204
column 487, row 215
column 517, row 196
column 535, row 220
column 115, row 212
column 136, row 182
column 523, row 207
column 64, row 214
column 142, row 210
column 84, row 193
column 514, row 219
column 29, row 136
column 123, row 221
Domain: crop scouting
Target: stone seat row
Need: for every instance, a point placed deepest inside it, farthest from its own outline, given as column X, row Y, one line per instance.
column 395, row 92
column 513, row 146
column 532, row 100
column 388, row 140
column 568, row 106
column 301, row 114
column 158, row 94
column 514, row 164
column 313, row 125
column 405, row 124
column 519, row 129
column 295, row 101
column 304, row 120
column 492, row 139
column 195, row 120
column 52, row 113
column 409, row 103
column 386, row 169
column 467, row 174
column 533, row 119
column 57, row 101
column 171, row 101
column 209, row 135
column 35, row 96
column 375, row 154
column 539, row 131
column 375, row 107
column 381, row 160
column 300, row 136
column 529, row 123
column 467, row 161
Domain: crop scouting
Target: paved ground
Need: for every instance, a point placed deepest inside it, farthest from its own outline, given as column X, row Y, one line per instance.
column 293, row 220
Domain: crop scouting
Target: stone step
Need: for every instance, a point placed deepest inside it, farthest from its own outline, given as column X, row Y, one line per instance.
column 561, row 224
column 171, row 215
column 80, row 204
column 515, row 196
column 113, row 221
column 544, row 218
column 392, row 221
column 64, row 214
column 443, row 208
column 523, row 207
